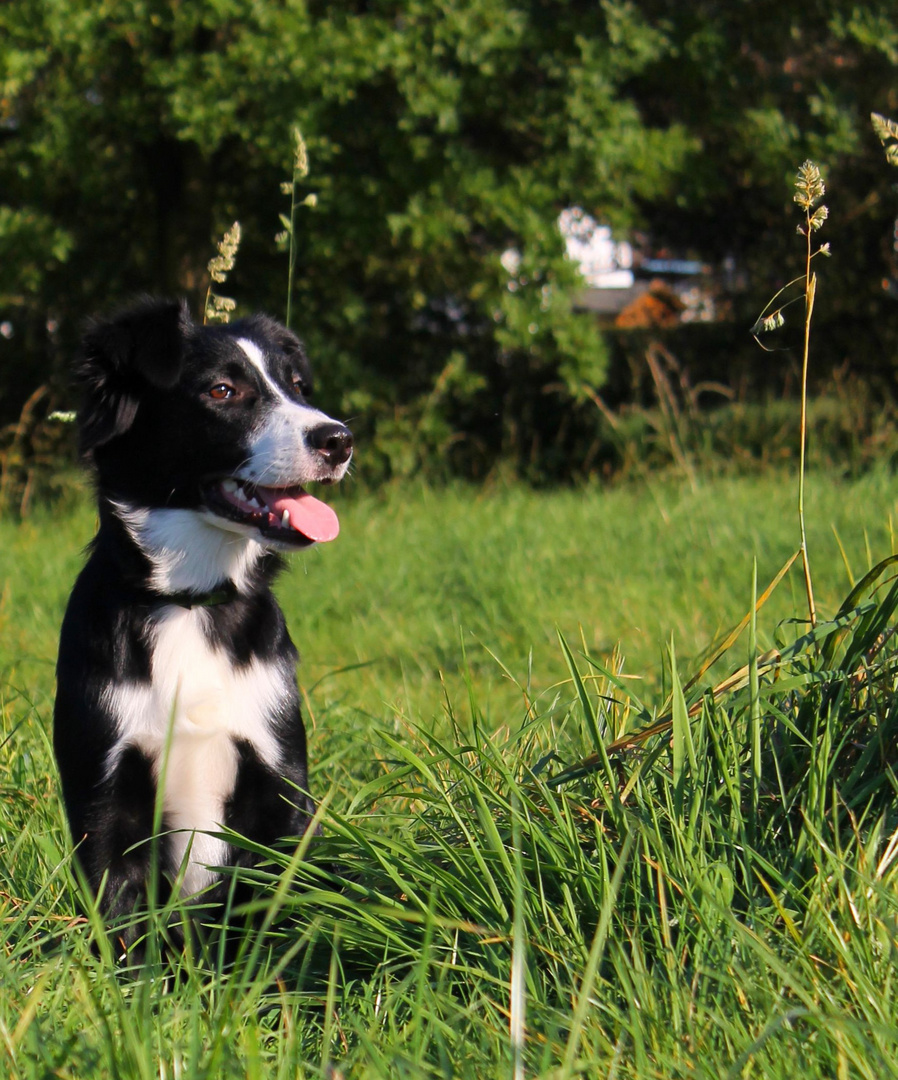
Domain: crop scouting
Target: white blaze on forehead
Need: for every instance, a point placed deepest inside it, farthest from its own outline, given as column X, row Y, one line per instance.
column 257, row 359
column 279, row 454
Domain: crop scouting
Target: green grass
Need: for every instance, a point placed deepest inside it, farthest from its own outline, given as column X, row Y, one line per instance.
column 717, row 899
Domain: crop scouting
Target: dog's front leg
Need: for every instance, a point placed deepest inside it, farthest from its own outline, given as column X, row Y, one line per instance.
column 112, row 828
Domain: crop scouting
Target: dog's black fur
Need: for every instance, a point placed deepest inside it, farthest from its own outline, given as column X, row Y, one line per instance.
column 174, row 657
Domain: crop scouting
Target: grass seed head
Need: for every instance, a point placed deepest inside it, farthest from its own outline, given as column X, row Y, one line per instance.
column 887, row 131
column 219, row 308
column 223, row 263
column 809, row 186
column 301, row 157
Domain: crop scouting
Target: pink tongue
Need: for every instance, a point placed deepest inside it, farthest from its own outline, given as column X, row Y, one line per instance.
column 308, row 515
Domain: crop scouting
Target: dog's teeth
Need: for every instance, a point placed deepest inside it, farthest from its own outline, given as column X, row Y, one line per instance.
column 230, row 485
column 285, row 520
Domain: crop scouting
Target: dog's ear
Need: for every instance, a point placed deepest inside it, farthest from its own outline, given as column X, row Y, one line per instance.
column 288, row 341
column 275, row 332
column 290, row 344
column 143, row 345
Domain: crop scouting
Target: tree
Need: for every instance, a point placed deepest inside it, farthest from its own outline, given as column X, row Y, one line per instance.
column 441, row 134
column 761, row 87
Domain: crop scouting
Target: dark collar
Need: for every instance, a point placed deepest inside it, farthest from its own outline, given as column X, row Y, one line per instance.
column 226, row 593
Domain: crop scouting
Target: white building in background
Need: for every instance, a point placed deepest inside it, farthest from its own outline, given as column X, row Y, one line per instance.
column 605, row 263
column 614, row 279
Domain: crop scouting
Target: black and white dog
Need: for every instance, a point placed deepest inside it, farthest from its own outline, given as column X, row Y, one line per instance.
column 175, row 666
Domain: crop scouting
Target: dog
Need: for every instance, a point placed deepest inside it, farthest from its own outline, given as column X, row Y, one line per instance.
column 176, row 677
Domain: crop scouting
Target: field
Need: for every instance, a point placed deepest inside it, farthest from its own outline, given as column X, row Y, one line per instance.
column 496, row 893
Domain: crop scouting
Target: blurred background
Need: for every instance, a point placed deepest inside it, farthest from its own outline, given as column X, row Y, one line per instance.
column 541, row 234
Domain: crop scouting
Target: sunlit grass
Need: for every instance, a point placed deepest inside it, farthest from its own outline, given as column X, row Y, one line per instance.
column 718, row 900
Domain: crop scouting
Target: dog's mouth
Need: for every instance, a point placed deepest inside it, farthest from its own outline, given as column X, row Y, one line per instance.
column 288, row 515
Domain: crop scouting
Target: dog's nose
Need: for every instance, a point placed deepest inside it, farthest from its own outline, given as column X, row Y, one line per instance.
column 332, row 441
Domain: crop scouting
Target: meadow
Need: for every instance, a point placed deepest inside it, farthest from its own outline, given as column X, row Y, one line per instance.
column 548, row 850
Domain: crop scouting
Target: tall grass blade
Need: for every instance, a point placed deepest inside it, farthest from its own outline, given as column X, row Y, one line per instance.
column 518, row 986
column 609, row 788
column 682, row 746
column 594, row 959
column 754, row 702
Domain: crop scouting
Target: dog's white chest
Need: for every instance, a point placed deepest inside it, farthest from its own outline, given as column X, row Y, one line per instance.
column 187, row 721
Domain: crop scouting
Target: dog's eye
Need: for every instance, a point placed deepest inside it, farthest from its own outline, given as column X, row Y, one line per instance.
column 222, row 391
column 300, row 387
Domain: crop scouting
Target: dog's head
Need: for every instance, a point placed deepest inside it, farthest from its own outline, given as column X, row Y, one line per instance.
column 209, row 419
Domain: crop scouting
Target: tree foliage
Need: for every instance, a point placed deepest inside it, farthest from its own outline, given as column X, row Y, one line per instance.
column 441, row 134
column 763, row 87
